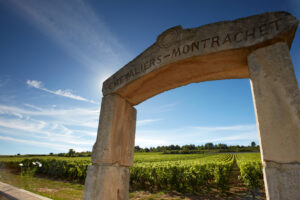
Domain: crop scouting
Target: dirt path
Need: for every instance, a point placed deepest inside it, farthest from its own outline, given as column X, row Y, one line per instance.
column 234, row 181
column 237, row 188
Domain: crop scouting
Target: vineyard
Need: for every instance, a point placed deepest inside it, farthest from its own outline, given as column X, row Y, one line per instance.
column 153, row 171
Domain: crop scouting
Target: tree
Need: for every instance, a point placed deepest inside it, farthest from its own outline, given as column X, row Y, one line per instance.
column 71, row 153
column 189, row 147
column 221, row 146
column 209, row 145
column 137, row 148
column 253, row 144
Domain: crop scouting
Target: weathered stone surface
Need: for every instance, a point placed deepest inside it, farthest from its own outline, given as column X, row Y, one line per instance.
column 116, row 132
column 277, row 103
column 282, row 181
column 211, row 52
column 107, row 183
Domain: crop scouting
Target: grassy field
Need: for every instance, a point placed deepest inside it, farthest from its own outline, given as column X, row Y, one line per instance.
column 153, row 176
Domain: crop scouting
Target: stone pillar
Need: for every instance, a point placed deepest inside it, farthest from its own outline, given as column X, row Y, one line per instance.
column 108, row 177
column 277, row 107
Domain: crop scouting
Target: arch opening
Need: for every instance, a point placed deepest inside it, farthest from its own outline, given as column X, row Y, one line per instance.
column 256, row 47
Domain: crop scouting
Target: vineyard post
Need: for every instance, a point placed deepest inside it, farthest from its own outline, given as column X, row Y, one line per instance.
column 108, row 176
column 277, row 105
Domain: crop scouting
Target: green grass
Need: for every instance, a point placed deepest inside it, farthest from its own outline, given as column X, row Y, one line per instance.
column 54, row 189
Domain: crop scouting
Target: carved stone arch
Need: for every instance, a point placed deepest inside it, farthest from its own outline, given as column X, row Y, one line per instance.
column 255, row 47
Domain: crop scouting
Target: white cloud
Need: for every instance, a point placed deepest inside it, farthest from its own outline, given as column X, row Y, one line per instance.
column 75, row 127
column 74, row 116
column 61, row 147
column 146, row 142
column 34, row 83
column 78, row 127
column 45, row 131
column 64, row 93
column 146, row 122
column 33, row 126
column 33, row 107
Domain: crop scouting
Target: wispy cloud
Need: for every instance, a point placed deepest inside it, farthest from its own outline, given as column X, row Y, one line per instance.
column 75, row 127
column 77, row 28
column 64, row 93
column 73, row 116
column 51, row 145
column 81, row 32
column 146, row 122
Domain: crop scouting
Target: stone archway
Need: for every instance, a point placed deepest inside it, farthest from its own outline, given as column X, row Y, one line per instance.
column 255, row 47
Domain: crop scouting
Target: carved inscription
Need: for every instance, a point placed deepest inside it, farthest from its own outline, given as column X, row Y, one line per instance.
column 214, row 41
column 226, row 39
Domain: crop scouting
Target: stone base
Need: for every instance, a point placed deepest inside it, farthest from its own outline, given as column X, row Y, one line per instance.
column 282, row 181
column 106, row 182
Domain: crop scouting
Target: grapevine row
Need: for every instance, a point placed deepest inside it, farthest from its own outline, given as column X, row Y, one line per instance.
column 191, row 174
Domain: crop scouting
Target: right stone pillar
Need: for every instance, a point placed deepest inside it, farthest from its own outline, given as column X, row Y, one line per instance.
column 277, row 107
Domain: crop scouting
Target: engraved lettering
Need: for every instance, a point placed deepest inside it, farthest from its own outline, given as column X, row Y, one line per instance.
column 259, row 30
column 158, row 59
column 227, row 39
column 275, row 22
column 176, row 52
column 262, row 30
column 152, row 62
column 186, row 49
column 147, row 65
column 195, row 45
column 236, row 36
column 215, row 40
column 251, row 34
column 136, row 71
column 142, row 69
column 204, row 42
column 129, row 74
column 122, row 78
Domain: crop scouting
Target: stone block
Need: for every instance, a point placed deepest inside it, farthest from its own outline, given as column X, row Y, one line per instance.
column 277, row 103
column 116, row 132
column 283, row 181
column 210, row 52
column 106, row 182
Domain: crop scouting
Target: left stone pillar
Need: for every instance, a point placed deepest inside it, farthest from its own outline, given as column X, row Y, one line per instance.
column 108, row 176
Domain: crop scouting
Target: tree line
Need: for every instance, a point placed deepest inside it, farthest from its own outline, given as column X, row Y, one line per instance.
column 171, row 149
column 206, row 148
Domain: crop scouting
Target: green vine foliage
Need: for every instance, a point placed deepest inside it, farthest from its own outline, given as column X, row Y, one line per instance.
column 156, row 172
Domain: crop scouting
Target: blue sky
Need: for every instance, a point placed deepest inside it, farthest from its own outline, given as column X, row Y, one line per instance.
column 55, row 54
